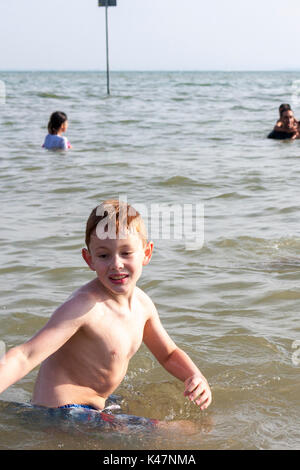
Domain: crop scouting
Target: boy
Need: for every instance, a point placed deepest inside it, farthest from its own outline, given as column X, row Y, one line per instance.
column 86, row 345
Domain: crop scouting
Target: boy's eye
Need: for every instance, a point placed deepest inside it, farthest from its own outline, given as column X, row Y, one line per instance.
column 102, row 256
column 127, row 253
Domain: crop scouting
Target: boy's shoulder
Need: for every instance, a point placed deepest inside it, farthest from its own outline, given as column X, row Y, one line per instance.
column 146, row 301
column 87, row 294
column 82, row 300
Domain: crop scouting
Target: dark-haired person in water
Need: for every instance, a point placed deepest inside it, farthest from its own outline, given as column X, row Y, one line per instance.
column 58, row 124
column 286, row 126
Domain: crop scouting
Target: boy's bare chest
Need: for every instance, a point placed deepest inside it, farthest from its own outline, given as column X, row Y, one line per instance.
column 116, row 336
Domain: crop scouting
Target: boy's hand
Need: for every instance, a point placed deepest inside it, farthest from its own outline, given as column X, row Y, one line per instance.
column 198, row 390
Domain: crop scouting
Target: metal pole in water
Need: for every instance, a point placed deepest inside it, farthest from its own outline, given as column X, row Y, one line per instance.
column 106, row 4
column 107, row 60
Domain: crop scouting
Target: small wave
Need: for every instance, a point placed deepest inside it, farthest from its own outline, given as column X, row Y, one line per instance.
column 285, row 263
column 179, row 99
column 233, row 194
column 193, row 84
column 14, row 269
column 179, row 181
column 288, row 210
column 124, row 97
column 220, row 139
column 243, row 108
column 248, row 241
column 51, row 95
column 69, row 190
column 128, row 121
column 117, row 164
column 179, row 85
column 260, row 254
column 275, row 297
column 32, row 168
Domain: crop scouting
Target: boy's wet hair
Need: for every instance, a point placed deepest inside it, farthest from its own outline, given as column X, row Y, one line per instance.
column 55, row 122
column 116, row 219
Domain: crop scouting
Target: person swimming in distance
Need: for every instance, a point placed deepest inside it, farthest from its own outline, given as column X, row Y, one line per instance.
column 58, row 124
column 286, row 126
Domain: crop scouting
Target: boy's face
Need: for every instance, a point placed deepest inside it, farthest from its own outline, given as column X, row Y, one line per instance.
column 118, row 263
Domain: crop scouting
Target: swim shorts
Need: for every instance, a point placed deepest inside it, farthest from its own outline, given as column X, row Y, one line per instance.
column 115, row 420
column 74, row 405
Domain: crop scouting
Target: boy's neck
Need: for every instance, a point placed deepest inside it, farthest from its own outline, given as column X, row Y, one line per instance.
column 124, row 301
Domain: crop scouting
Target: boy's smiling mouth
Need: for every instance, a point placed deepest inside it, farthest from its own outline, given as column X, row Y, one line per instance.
column 118, row 278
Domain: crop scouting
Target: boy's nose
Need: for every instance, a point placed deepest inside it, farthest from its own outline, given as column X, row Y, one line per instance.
column 117, row 262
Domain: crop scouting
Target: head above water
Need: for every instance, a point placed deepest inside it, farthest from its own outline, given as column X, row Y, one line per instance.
column 115, row 219
column 288, row 119
column 284, row 107
column 57, row 120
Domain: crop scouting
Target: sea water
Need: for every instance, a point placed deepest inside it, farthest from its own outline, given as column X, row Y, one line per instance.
column 230, row 299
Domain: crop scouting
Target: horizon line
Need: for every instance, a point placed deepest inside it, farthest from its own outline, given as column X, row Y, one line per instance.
column 149, row 70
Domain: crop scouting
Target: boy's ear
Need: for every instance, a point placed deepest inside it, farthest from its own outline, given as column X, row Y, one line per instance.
column 148, row 253
column 87, row 258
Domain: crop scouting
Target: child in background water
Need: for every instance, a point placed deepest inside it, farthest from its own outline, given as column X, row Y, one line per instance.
column 58, row 124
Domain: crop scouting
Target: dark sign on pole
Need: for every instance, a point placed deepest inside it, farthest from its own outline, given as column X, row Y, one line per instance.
column 107, row 3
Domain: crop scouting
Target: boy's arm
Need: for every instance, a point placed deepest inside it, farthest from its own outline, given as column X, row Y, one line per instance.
column 20, row 360
column 176, row 361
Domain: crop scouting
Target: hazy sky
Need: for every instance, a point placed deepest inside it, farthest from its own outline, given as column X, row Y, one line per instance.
column 150, row 35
